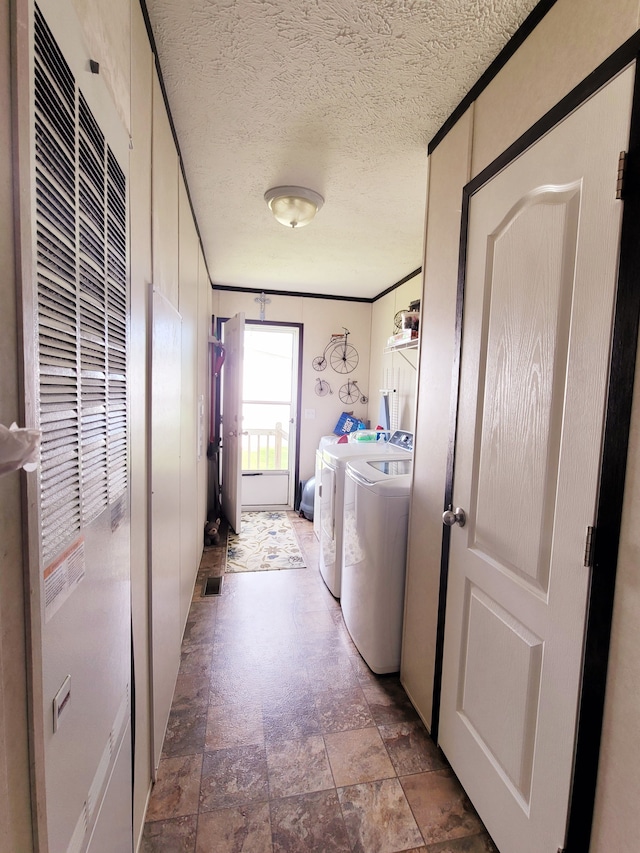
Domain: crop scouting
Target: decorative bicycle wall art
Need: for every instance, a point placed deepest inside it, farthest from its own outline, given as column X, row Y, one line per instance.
column 339, row 353
column 343, row 358
column 350, row 393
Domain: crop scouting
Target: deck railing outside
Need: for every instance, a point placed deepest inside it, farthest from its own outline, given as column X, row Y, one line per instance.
column 265, row 449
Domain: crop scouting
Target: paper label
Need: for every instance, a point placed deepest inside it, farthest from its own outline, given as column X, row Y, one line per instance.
column 62, row 576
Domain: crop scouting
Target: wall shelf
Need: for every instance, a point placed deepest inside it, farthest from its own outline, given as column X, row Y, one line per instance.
column 412, row 344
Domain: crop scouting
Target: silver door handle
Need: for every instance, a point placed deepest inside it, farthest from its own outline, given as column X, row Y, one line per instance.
column 451, row 517
column 232, row 433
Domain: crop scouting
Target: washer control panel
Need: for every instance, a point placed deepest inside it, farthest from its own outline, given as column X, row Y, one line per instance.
column 403, row 439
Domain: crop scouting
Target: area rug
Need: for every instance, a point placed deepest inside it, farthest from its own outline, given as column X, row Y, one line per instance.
column 267, row 542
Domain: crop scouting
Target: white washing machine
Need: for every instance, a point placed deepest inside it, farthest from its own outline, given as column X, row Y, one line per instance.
column 377, row 498
column 331, row 495
column 325, row 441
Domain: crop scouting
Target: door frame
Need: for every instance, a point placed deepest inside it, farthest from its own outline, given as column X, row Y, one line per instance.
column 622, row 366
column 219, row 322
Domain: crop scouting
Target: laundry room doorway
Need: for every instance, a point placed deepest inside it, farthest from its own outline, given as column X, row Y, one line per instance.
column 269, row 409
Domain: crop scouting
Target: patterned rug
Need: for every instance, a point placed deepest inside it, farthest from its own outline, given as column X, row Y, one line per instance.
column 266, row 542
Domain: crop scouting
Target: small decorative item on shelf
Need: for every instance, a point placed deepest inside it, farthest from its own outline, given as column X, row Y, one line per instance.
column 406, row 320
column 411, row 321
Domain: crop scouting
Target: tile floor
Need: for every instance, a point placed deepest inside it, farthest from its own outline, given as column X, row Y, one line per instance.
column 281, row 740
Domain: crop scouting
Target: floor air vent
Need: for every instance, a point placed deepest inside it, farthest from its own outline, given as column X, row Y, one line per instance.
column 213, row 586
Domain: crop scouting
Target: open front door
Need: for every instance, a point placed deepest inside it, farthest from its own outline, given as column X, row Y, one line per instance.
column 232, row 421
column 269, row 416
column 543, row 238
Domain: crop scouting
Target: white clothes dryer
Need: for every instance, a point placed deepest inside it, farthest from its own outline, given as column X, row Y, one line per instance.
column 331, row 495
column 376, row 518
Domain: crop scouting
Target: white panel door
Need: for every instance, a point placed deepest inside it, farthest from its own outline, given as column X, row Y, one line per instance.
column 539, row 295
column 232, row 421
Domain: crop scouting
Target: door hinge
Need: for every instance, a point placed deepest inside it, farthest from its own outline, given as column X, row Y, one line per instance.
column 588, row 547
column 622, row 169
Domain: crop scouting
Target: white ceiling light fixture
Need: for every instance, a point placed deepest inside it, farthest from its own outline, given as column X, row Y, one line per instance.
column 293, row 206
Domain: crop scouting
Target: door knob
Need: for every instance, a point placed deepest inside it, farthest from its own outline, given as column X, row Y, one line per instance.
column 451, row 517
column 232, row 433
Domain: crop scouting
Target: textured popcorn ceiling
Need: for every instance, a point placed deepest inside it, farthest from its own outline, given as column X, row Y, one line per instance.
column 341, row 96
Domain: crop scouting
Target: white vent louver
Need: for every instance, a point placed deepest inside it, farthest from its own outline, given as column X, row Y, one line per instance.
column 81, row 302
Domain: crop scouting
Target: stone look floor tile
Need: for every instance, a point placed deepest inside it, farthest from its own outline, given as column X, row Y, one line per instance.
column 191, row 692
column 343, row 710
column 241, row 830
column 284, row 680
column 334, row 674
column 358, row 756
column 313, row 622
column 196, row 660
column 388, row 702
column 201, row 625
column 185, row 732
column 274, row 707
column 410, row 748
column 298, row 767
column 177, row 788
column 311, row 823
column 170, row 836
column 233, row 777
column 440, row 806
column 378, row 817
column 289, row 719
column 471, row 844
column 233, row 725
column 232, row 685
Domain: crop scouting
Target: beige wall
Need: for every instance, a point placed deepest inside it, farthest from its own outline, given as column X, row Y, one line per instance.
column 575, row 37
column 141, row 276
column 191, row 534
column 617, row 822
column 393, row 370
column 449, row 168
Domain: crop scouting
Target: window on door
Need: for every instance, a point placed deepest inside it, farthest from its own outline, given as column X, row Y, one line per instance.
column 268, row 397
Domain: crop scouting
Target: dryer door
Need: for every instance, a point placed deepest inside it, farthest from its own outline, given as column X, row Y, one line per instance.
column 327, row 517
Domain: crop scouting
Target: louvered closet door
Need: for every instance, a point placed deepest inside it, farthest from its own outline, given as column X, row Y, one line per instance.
column 78, row 389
